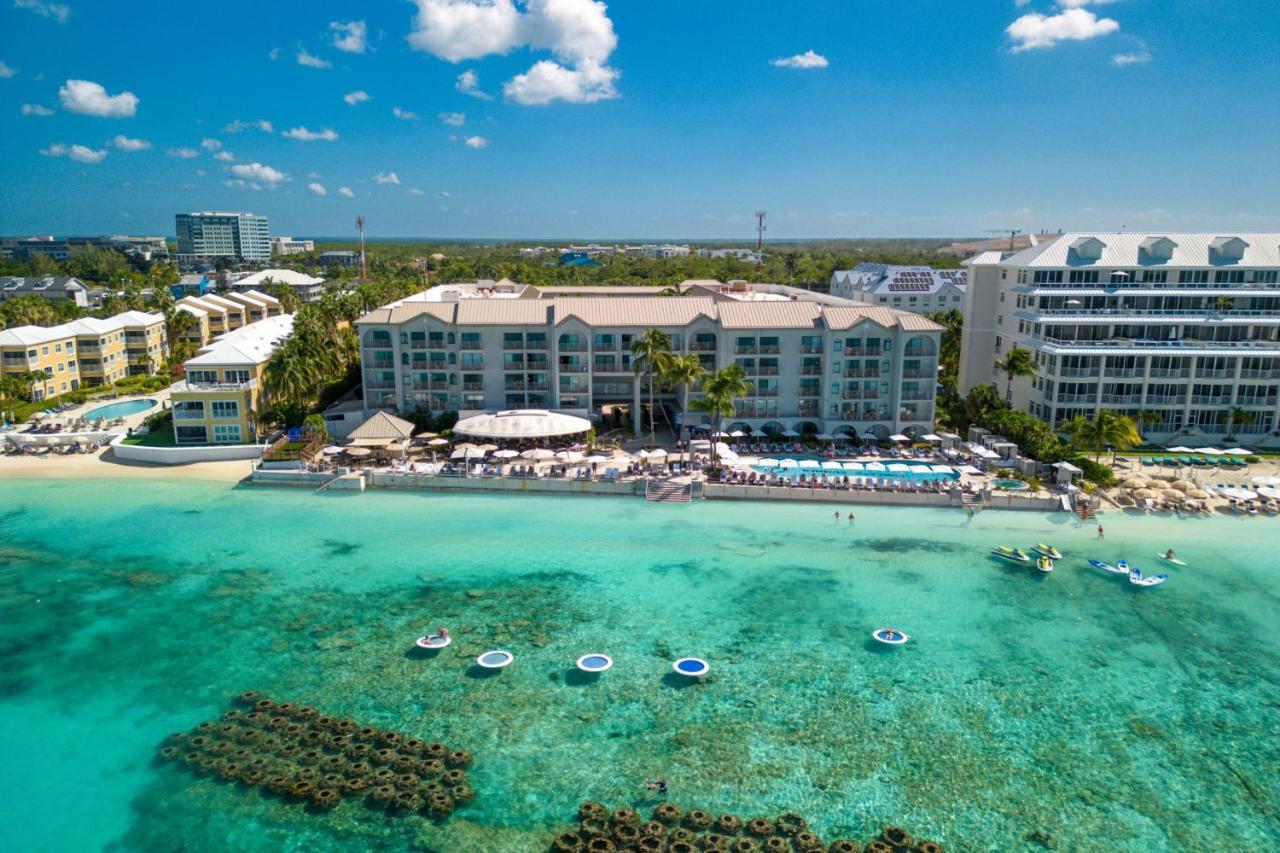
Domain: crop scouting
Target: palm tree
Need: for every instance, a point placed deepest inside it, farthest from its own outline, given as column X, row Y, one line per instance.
column 649, row 355
column 1017, row 363
column 683, row 372
column 1237, row 416
column 720, row 390
column 1105, row 429
column 1148, row 417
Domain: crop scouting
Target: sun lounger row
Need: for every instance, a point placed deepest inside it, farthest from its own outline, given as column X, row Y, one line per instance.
column 1223, row 461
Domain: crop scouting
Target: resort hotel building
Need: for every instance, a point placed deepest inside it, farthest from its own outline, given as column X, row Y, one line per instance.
column 1179, row 331
column 222, row 395
column 217, row 314
column 84, row 353
column 814, row 363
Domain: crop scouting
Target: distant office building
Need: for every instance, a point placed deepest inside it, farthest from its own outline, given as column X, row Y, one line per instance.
column 341, row 259
column 748, row 255
column 209, row 235
column 290, row 246
column 46, row 287
column 59, row 249
column 922, row 289
column 192, row 284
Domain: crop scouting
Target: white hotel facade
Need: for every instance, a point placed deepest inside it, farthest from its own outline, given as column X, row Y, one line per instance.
column 814, row 363
column 1183, row 326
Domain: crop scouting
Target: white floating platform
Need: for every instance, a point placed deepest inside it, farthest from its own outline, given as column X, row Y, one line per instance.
column 496, row 659
column 594, row 662
column 691, row 667
column 433, row 641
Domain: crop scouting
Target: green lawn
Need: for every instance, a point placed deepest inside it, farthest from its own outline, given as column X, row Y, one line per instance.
column 157, row 438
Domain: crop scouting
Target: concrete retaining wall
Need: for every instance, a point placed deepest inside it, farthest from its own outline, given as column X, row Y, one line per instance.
column 721, row 491
column 503, row 484
column 184, row 455
column 306, row 479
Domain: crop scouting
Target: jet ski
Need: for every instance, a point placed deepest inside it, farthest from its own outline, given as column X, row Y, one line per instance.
column 1044, row 564
column 1017, row 555
column 1048, row 551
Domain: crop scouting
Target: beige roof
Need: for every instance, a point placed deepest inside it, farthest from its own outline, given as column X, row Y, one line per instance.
column 917, row 323
column 501, row 312
column 262, row 297
column 768, row 315
column 846, row 317
column 635, row 310
column 383, row 426
column 402, row 312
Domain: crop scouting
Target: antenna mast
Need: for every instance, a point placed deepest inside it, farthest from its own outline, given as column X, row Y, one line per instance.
column 760, row 229
column 364, row 272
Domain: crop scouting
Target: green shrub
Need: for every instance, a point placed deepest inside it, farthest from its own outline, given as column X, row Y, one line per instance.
column 1095, row 471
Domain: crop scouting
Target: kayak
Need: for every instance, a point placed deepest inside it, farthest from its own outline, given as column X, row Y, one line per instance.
column 1048, row 551
column 1017, row 555
column 1136, row 578
column 1173, row 560
column 1044, row 564
column 1107, row 567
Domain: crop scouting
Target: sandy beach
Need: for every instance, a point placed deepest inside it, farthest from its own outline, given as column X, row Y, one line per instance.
column 103, row 466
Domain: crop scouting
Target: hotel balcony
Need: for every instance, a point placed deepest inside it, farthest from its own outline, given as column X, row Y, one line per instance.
column 769, row 349
column 1125, row 373
column 184, row 412
column 1205, row 400
column 1122, row 399
column 1170, row 400
column 810, row 349
column 765, row 392
column 1215, row 374
column 573, row 368
column 513, row 345
column 572, row 347
column 1089, row 399
column 1164, row 373
column 811, row 371
column 862, row 373
column 370, row 385
column 919, row 352
column 475, row 363
column 430, row 386
column 471, row 346
column 188, row 385
column 472, row 386
column 1260, row 374
column 537, row 346
column 702, row 346
column 919, row 394
column 1078, row 372
column 382, row 364
column 746, row 350
column 808, row 410
column 919, row 374
column 863, row 351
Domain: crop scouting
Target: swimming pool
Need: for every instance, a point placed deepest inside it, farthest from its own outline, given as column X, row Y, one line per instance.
column 1011, row 485
column 893, row 469
column 119, row 410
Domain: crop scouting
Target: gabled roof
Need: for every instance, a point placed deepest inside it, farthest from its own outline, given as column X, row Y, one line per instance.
column 383, row 425
column 1124, row 249
column 501, row 312
column 247, row 346
column 839, row 318
column 635, row 310
column 768, row 315
column 278, row 276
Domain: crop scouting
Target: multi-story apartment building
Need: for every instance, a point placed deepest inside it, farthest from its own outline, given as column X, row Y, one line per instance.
column 921, row 289
column 1183, row 327
column 207, row 235
column 290, row 246
column 223, row 393
column 84, row 353
column 217, row 314
column 814, row 363
column 53, row 287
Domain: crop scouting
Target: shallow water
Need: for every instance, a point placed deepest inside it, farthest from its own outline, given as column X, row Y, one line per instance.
column 1070, row 708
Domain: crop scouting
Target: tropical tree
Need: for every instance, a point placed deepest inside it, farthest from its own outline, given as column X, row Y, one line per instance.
column 1237, row 416
column 1017, row 363
column 28, row 310
column 287, row 295
column 683, row 372
column 720, row 390
column 1147, row 418
column 650, row 353
column 952, row 322
column 980, row 400
column 1105, row 429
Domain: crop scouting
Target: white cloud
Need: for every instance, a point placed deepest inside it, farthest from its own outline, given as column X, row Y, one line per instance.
column 36, row 110
column 56, row 11
column 241, row 184
column 183, row 153
column 359, row 96
column 454, row 119
column 578, row 33
column 1034, row 30
column 1076, row 4
column 224, row 156
column 476, row 142
column 91, row 99
column 808, row 59
column 310, row 61
column 444, row 194
column 386, row 178
column 273, row 54
column 302, row 134
column 6, row 70
column 346, row 192
column 258, row 173
column 469, row 84
column 79, row 153
column 210, row 144
column 549, row 81
column 404, row 115
column 1140, row 55
column 200, row 173
column 350, row 37
column 317, row 189
column 261, row 124
column 416, row 191
column 124, row 143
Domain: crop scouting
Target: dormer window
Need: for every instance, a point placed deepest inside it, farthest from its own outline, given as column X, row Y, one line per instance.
column 1226, row 250
column 1087, row 249
column 1156, row 250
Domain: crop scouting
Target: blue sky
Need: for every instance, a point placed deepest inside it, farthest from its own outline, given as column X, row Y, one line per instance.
column 566, row 118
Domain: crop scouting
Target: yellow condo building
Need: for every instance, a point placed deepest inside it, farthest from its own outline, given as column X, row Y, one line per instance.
column 222, row 396
column 84, row 353
column 217, row 314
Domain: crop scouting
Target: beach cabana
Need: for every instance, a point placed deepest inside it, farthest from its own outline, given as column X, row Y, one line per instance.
column 517, row 424
column 1266, row 480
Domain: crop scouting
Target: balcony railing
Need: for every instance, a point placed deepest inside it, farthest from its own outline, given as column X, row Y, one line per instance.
column 1126, row 373
column 513, row 365
column 535, row 345
column 511, row 345
column 862, row 373
column 1166, row 400
column 919, row 352
column 1078, row 398
column 430, row 386
column 702, row 346
column 811, row 371
column 863, row 351
column 1215, row 374
column 573, row 368
column 471, row 364
column 573, row 347
column 1167, row 373
column 381, row 365
column 192, row 385
column 417, row 345
column 1078, row 372
column 472, row 386
column 1121, row 399
column 764, row 370
column 769, row 349
column 918, row 394
column 919, row 374
column 746, row 350
column 188, row 413
column 1147, row 343
column 1205, row 400
column 471, row 345
column 1260, row 374
column 766, row 392
column 811, row 349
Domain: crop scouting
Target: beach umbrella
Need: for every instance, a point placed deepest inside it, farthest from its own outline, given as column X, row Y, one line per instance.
column 832, row 465
column 1269, row 492
column 476, row 452
column 853, row 466
column 1173, row 495
column 596, row 459
column 358, row 451
column 538, row 454
column 737, row 433
column 436, row 442
column 1145, row 493
column 1198, row 494
column 932, row 437
column 899, row 437
column 1162, row 476
column 464, row 445
column 1182, row 485
column 488, row 447
column 790, row 433
column 810, row 463
column 331, row 450
column 822, row 436
column 1181, row 450
column 641, row 454
column 460, row 453
column 1135, row 483
column 426, row 434
column 1238, row 451
column 1239, row 493
column 506, row 454
column 1209, row 451
column 657, row 453
column 788, row 463
column 570, row 456
column 1266, row 480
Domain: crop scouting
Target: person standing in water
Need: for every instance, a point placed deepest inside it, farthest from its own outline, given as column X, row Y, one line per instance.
column 1099, row 531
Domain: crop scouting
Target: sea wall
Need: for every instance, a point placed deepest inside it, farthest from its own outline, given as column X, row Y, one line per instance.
column 722, row 491
column 183, row 455
column 516, row 485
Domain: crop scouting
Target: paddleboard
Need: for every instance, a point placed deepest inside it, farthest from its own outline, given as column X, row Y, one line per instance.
column 1173, row 560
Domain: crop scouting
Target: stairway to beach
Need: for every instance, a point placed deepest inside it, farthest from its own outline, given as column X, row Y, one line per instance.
column 668, row 491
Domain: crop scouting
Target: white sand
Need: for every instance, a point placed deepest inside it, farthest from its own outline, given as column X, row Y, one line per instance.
column 103, row 465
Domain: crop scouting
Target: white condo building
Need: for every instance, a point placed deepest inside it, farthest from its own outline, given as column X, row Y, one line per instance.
column 814, row 363
column 1183, row 326
column 908, row 288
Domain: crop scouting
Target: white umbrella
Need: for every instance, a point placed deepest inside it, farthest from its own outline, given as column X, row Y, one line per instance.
column 538, row 454
column 596, row 459
column 570, row 456
column 460, row 453
column 790, row 433
column 968, row 469
column 832, row 465
column 1238, row 451
column 1209, row 451
column 810, row 463
column 899, row 467
column 641, row 454
column 358, row 451
column 506, row 454
column 332, row 450
column 824, row 436
column 853, row 466
column 1269, row 492
column 788, row 463
column 437, row 442
column 898, row 437
column 767, row 461
column 1266, row 480
column 1181, row 450
column 659, row 453
column 476, row 452
column 932, row 437
column 875, row 466
column 488, row 447
column 464, row 445
column 1238, row 493
column 737, row 433
column 941, row 469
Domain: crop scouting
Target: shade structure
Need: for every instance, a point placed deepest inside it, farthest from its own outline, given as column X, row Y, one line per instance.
column 438, row 442
column 597, row 459
column 941, row 469
column 810, row 463
column 1135, row 483
column 426, row 434
column 932, row 437
column 657, row 453
column 538, row 454
column 1146, row 493
column 788, row 463
column 853, row 466
column 488, row 447
column 875, row 466
column 899, row 467
column 1182, row 485
column 832, row 465
column 384, row 426
column 968, row 469
column 1266, row 480
column 522, row 423
column 506, row 454
column 1269, row 492
column 737, row 433
column 1181, row 449
column 1198, row 494
column 572, row 457
column 1238, row 492
column 1209, row 451
column 332, row 450
column 358, row 451
column 823, row 436
column 790, row 433
column 899, row 437
column 767, row 461
column 1238, row 451
column 1173, row 495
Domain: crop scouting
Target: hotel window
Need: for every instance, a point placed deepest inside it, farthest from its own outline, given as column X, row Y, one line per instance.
column 1083, row 277
column 224, row 433
column 1265, row 276
column 44, row 351
column 1228, row 277
column 1048, row 277
column 225, row 408
column 236, row 376
column 1194, row 277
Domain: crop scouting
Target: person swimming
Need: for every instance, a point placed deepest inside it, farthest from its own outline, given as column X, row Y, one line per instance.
column 658, row 784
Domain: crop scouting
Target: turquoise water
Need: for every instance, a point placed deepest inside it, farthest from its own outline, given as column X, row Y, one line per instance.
column 1069, row 707
column 119, row 410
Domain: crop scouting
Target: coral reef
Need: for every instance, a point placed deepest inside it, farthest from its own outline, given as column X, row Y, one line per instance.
column 293, row 752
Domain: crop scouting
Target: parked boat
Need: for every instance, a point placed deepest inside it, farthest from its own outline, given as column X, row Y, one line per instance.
column 889, row 636
column 1107, row 567
column 1017, row 555
column 1136, row 578
column 1047, row 551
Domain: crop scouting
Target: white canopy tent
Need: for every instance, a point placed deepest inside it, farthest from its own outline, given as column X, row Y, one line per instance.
column 522, row 424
